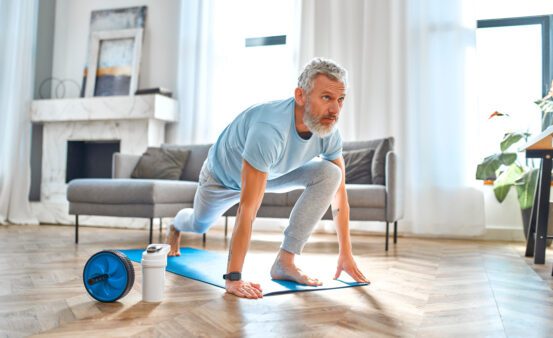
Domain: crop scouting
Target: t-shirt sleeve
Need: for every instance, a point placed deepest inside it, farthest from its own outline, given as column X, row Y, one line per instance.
column 262, row 147
column 332, row 146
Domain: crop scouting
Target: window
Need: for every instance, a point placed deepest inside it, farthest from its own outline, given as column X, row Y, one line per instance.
column 246, row 71
column 514, row 69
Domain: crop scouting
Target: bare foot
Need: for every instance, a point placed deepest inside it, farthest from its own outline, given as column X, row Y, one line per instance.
column 289, row 271
column 173, row 239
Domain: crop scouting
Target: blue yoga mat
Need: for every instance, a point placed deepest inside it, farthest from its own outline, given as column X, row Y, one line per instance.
column 209, row 267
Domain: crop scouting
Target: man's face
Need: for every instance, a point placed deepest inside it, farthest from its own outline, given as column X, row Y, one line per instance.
column 323, row 105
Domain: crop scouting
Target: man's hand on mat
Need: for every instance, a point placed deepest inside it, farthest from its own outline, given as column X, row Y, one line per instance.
column 347, row 263
column 244, row 289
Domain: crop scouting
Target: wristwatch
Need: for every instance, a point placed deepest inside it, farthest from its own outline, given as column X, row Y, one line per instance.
column 233, row 276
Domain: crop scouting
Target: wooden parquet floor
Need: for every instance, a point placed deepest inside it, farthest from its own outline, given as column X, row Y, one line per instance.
column 420, row 288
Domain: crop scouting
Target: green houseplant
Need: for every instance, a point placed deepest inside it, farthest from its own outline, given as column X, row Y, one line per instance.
column 508, row 168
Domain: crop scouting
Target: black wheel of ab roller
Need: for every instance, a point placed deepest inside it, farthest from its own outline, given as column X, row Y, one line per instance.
column 108, row 276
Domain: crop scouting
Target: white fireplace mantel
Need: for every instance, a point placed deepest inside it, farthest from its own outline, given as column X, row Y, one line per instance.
column 137, row 122
column 106, row 108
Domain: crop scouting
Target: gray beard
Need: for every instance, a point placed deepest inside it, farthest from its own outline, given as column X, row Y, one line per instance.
column 314, row 125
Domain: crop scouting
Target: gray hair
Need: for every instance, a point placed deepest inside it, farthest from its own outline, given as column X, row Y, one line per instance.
column 318, row 66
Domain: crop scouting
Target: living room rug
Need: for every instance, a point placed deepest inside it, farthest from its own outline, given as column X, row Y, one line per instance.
column 209, row 267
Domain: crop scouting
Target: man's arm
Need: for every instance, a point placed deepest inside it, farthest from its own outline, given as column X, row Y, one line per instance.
column 251, row 195
column 340, row 214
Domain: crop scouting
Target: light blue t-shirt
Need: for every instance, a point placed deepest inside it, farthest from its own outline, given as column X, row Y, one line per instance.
column 266, row 137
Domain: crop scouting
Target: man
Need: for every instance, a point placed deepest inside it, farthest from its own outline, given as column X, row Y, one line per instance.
column 276, row 147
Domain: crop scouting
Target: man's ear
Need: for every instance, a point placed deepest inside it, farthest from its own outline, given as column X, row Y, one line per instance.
column 299, row 96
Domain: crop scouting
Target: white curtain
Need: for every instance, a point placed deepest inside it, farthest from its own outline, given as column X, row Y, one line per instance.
column 195, row 72
column 410, row 68
column 18, row 21
column 218, row 77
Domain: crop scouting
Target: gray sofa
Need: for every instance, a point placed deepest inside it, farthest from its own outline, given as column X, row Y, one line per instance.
column 123, row 196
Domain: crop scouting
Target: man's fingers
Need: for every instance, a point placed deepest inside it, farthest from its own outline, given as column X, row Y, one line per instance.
column 251, row 292
column 257, row 286
column 363, row 278
column 237, row 292
column 338, row 272
column 359, row 277
column 258, row 291
column 246, row 290
column 254, row 292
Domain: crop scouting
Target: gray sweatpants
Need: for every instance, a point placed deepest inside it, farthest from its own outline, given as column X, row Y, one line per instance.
column 320, row 178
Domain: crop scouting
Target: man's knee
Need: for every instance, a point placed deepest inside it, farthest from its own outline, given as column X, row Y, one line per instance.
column 330, row 172
column 201, row 227
column 187, row 220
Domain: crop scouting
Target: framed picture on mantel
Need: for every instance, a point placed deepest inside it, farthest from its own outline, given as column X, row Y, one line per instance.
column 114, row 52
column 114, row 58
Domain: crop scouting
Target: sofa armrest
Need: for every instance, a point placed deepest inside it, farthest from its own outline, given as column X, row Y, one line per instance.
column 123, row 165
column 394, row 193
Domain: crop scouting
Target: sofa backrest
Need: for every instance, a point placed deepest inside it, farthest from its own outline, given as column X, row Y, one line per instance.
column 381, row 147
column 371, row 144
column 198, row 154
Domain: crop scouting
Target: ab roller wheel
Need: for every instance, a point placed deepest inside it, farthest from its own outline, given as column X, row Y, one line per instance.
column 108, row 275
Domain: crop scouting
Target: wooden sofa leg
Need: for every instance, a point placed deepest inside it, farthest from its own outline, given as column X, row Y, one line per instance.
column 395, row 232
column 203, row 239
column 151, row 229
column 387, row 234
column 160, row 223
column 76, row 229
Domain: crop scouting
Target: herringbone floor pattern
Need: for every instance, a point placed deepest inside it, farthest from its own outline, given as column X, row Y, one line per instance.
column 420, row 288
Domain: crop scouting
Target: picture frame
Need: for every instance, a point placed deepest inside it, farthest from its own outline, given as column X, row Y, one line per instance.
column 114, row 62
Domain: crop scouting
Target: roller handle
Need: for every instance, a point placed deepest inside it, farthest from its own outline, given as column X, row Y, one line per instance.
column 96, row 279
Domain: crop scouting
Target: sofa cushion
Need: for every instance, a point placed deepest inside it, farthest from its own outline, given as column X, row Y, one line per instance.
column 127, row 210
column 130, row 191
column 198, row 154
column 163, row 164
column 359, row 196
column 270, row 198
column 381, row 148
column 358, row 165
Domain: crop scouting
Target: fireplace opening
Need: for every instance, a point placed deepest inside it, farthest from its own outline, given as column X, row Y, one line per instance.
column 90, row 159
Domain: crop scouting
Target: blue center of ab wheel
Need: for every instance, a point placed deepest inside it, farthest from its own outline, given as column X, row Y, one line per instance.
column 108, row 275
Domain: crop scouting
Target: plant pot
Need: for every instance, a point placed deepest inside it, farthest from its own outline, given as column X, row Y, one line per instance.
column 526, row 223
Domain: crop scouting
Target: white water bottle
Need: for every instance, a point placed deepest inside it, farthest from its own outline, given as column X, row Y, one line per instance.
column 154, row 261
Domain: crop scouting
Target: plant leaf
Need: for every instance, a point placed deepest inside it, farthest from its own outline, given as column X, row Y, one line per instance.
column 546, row 106
column 506, row 180
column 526, row 188
column 512, row 138
column 491, row 164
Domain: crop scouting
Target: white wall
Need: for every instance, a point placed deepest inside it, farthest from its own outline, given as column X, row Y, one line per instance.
column 504, row 220
column 504, row 215
column 159, row 52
